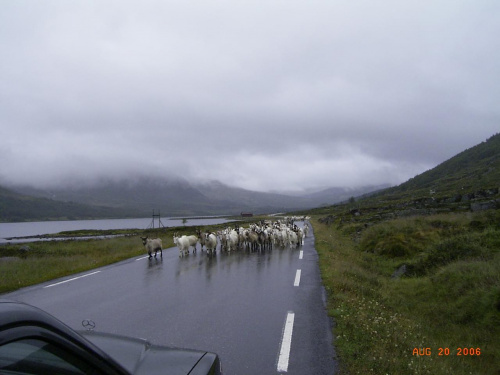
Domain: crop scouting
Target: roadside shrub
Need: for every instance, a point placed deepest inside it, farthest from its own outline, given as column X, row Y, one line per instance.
column 395, row 240
column 455, row 303
column 493, row 218
column 490, row 238
column 471, row 290
column 456, row 248
column 477, row 225
column 492, row 302
column 448, row 250
column 392, row 246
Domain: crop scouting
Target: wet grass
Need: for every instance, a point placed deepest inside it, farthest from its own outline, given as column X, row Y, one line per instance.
column 449, row 297
column 46, row 260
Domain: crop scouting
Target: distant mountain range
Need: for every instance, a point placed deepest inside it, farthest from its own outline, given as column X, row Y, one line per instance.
column 131, row 198
column 471, row 170
column 15, row 207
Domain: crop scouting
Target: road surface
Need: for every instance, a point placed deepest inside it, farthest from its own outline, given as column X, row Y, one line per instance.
column 262, row 312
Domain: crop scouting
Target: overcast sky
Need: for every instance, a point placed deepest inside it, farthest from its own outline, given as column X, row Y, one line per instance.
column 264, row 95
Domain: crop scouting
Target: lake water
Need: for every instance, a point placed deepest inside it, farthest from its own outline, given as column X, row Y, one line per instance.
column 38, row 228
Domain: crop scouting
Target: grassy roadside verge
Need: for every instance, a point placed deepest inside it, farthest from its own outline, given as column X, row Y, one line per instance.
column 47, row 260
column 448, row 299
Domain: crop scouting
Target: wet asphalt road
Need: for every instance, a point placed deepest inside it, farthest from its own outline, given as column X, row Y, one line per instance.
column 234, row 304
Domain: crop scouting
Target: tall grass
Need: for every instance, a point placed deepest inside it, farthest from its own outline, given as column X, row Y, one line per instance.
column 452, row 302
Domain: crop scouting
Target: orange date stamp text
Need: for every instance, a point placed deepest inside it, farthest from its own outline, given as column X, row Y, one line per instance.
column 443, row 352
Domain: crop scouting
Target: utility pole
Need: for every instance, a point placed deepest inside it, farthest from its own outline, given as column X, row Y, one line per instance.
column 152, row 224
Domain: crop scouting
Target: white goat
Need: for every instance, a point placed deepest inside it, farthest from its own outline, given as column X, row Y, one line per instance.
column 284, row 237
column 232, row 240
column 300, row 236
column 152, row 245
column 182, row 243
column 306, row 229
column 223, row 240
column 211, row 243
column 242, row 237
column 193, row 240
column 292, row 238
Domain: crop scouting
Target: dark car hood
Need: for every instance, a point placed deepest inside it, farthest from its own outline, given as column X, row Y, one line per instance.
column 140, row 357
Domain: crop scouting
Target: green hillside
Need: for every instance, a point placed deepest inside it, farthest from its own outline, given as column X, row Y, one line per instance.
column 413, row 273
column 16, row 207
column 467, row 182
column 474, row 169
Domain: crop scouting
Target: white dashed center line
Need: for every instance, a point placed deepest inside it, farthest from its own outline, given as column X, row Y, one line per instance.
column 286, row 343
column 297, row 278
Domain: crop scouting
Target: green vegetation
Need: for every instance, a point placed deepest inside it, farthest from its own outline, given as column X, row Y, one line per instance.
column 16, row 207
column 48, row 260
column 417, row 268
column 448, row 297
column 476, row 168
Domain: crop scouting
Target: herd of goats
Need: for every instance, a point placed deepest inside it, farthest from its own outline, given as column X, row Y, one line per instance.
column 261, row 236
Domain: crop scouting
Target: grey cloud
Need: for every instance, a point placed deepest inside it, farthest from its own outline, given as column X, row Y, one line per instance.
column 262, row 95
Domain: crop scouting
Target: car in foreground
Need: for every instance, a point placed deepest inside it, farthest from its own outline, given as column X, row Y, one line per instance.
column 34, row 342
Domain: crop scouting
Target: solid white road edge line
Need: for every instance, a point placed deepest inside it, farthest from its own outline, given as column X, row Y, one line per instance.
column 286, row 343
column 142, row 258
column 74, row 278
column 301, row 254
column 297, row 278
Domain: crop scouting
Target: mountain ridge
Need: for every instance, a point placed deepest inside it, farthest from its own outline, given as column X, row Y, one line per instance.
column 471, row 170
column 467, row 182
column 138, row 197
